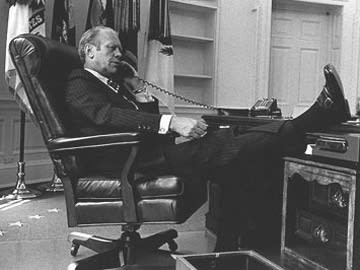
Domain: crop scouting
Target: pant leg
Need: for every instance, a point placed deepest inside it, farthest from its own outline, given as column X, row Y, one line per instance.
column 251, row 206
column 226, row 147
column 243, row 163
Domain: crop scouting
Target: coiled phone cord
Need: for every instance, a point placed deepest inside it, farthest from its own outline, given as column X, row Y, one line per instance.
column 178, row 96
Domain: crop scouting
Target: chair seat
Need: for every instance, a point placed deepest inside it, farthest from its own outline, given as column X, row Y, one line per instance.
column 103, row 188
column 160, row 199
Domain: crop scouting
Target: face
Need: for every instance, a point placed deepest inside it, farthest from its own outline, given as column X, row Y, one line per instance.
column 105, row 58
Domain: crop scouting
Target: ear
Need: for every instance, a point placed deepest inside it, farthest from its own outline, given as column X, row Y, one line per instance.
column 89, row 50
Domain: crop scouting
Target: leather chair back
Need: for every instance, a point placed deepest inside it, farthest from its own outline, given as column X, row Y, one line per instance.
column 43, row 65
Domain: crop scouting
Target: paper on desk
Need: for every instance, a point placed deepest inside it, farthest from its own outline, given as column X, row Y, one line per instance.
column 309, row 149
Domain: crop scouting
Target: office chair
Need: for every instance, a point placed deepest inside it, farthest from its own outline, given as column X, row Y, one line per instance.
column 131, row 199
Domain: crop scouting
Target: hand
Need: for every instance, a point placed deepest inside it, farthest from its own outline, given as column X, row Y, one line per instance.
column 138, row 90
column 133, row 84
column 188, row 127
column 129, row 76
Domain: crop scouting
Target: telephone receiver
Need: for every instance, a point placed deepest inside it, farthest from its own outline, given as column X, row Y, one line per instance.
column 262, row 107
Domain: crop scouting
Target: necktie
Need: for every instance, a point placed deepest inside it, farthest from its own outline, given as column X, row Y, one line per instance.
column 116, row 87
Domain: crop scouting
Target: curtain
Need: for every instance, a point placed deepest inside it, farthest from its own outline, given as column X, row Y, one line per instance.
column 160, row 53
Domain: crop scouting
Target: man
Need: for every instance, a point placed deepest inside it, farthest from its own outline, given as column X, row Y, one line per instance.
column 99, row 106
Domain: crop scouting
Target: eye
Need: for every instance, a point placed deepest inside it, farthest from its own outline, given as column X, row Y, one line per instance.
column 111, row 48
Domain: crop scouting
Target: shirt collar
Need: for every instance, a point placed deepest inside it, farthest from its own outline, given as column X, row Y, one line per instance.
column 101, row 78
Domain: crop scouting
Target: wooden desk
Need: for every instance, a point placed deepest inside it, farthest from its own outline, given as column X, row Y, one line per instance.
column 216, row 121
column 320, row 226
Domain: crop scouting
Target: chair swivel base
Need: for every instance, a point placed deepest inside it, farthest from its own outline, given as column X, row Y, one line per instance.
column 127, row 247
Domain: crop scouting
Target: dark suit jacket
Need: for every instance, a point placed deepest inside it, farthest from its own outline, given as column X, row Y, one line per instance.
column 97, row 109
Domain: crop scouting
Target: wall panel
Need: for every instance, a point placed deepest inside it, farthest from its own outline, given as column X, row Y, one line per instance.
column 2, row 136
column 38, row 166
column 33, row 139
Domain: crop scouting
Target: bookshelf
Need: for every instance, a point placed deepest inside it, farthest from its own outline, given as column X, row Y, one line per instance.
column 194, row 27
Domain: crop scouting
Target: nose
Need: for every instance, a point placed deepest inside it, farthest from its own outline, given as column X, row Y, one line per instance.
column 117, row 53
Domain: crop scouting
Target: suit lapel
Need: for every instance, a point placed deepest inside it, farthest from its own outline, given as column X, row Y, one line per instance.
column 120, row 98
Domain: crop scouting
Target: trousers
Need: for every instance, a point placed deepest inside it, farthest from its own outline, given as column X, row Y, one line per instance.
column 247, row 164
column 235, row 150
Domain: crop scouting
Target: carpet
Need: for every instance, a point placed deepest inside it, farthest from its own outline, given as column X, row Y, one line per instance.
column 33, row 235
column 45, row 218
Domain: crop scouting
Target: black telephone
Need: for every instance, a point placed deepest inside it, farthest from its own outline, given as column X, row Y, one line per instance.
column 265, row 106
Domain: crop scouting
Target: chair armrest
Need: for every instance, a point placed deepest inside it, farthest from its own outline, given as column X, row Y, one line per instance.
column 63, row 144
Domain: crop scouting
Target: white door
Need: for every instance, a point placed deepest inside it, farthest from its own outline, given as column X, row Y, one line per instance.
column 300, row 46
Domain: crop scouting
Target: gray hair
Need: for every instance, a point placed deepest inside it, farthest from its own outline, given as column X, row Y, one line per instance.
column 89, row 37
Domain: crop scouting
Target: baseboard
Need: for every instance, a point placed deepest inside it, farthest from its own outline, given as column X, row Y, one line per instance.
column 31, row 182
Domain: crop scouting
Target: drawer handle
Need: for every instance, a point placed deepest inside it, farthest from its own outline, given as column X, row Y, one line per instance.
column 338, row 199
column 321, row 234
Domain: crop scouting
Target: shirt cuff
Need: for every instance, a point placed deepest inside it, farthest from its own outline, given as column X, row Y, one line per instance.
column 165, row 123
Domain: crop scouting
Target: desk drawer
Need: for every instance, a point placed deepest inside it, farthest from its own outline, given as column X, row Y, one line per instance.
column 319, row 231
column 317, row 242
column 330, row 200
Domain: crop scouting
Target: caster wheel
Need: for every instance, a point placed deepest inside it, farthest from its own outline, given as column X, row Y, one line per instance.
column 172, row 245
column 74, row 249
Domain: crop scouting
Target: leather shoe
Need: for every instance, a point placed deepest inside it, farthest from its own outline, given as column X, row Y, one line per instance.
column 332, row 96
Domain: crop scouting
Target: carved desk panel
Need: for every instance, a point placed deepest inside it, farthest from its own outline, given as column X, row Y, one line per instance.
column 320, row 215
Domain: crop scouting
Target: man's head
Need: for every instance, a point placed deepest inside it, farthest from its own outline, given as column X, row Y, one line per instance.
column 100, row 49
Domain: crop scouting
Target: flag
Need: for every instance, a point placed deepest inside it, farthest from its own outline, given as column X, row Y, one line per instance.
column 160, row 53
column 126, row 21
column 63, row 28
column 23, row 18
column 37, row 17
column 101, row 13
column 126, row 16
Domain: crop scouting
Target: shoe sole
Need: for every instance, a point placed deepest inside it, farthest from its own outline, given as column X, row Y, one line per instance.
column 331, row 74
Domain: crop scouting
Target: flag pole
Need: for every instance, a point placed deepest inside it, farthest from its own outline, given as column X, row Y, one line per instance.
column 21, row 191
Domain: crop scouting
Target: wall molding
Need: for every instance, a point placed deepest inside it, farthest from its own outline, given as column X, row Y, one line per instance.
column 322, row 2
column 2, row 135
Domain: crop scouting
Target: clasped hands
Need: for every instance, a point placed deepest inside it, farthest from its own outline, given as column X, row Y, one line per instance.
column 188, row 127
